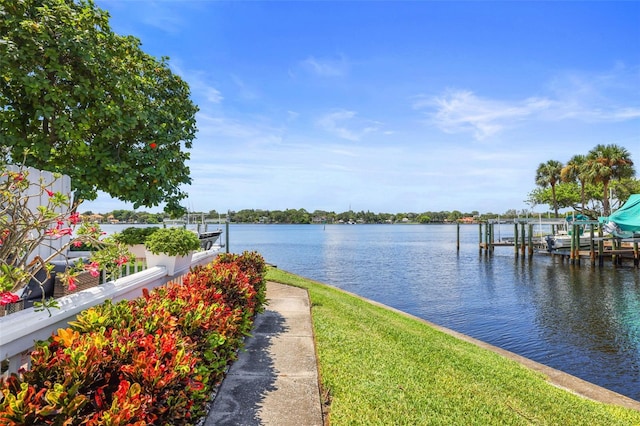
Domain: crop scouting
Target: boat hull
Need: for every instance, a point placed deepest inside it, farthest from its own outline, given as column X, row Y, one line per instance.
column 563, row 242
column 209, row 238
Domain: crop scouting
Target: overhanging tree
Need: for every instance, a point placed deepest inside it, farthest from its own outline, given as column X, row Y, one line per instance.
column 91, row 104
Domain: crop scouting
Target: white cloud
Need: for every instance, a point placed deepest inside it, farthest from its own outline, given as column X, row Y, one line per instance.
column 344, row 124
column 212, row 94
column 334, row 123
column 326, row 67
column 199, row 83
column 209, row 125
column 343, row 152
column 163, row 16
column 573, row 96
column 292, row 115
column 463, row 111
column 243, row 90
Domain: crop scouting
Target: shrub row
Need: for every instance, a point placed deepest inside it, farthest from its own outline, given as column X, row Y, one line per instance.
column 153, row 360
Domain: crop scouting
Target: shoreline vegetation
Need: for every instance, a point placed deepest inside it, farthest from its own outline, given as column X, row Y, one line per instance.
column 299, row 216
column 379, row 366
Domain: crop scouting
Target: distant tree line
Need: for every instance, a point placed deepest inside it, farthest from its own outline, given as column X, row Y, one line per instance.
column 126, row 216
column 321, row 216
column 302, row 216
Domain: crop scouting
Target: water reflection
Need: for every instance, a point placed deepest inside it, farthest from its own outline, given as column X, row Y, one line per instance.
column 583, row 320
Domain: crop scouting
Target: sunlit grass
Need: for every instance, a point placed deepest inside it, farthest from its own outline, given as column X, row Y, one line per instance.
column 379, row 367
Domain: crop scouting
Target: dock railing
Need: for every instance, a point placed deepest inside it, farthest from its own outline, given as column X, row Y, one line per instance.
column 19, row 331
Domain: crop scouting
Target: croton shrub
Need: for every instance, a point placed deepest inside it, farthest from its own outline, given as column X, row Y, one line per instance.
column 152, row 360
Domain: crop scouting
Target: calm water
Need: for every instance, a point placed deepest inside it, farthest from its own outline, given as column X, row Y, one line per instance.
column 582, row 320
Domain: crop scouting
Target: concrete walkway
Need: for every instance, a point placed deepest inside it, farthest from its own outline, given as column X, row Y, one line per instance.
column 275, row 380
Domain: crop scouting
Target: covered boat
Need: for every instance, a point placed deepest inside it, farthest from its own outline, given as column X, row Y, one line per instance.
column 625, row 222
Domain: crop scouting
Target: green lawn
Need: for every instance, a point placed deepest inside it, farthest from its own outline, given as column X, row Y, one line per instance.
column 379, row 367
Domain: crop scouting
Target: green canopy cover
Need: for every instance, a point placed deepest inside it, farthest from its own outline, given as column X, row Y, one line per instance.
column 627, row 217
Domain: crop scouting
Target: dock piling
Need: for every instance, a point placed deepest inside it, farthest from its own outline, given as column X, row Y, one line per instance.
column 226, row 234
column 490, row 236
column 525, row 242
column 600, row 247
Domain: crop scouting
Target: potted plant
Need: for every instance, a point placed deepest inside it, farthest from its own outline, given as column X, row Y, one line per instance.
column 172, row 248
column 134, row 238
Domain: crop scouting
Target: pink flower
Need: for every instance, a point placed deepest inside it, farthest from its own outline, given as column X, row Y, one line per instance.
column 58, row 232
column 71, row 282
column 7, row 297
column 50, row 193
column 74, row 218
column 53, row 232
column 66, row 231
column 77, row 243
column 122, row 260
column 93, row 269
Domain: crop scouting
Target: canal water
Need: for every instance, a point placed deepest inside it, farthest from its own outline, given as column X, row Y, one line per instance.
column 583, row 320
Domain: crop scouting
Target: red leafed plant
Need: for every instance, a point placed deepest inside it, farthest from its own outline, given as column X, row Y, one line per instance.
column 152, row 360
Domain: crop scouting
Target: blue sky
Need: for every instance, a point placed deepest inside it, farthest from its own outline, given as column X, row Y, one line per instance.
column 391, row 106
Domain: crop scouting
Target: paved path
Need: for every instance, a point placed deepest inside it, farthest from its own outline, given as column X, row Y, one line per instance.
column 275, row 380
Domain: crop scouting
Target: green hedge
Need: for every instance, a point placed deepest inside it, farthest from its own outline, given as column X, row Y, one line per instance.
column 153, row 360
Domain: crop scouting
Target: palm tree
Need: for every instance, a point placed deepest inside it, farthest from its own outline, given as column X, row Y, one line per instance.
column 606, row 163
column 576, row 169
column 549, row 174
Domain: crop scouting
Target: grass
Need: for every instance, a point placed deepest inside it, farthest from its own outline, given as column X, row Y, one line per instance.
column 379, row 367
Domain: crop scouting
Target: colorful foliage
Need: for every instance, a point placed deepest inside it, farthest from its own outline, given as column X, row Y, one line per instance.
column 152, row 360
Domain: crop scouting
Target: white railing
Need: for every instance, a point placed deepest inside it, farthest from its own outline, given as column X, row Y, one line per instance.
column 19, row 331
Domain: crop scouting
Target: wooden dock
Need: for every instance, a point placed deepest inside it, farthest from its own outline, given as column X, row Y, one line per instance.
column 626, row 254
column 601, row 249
